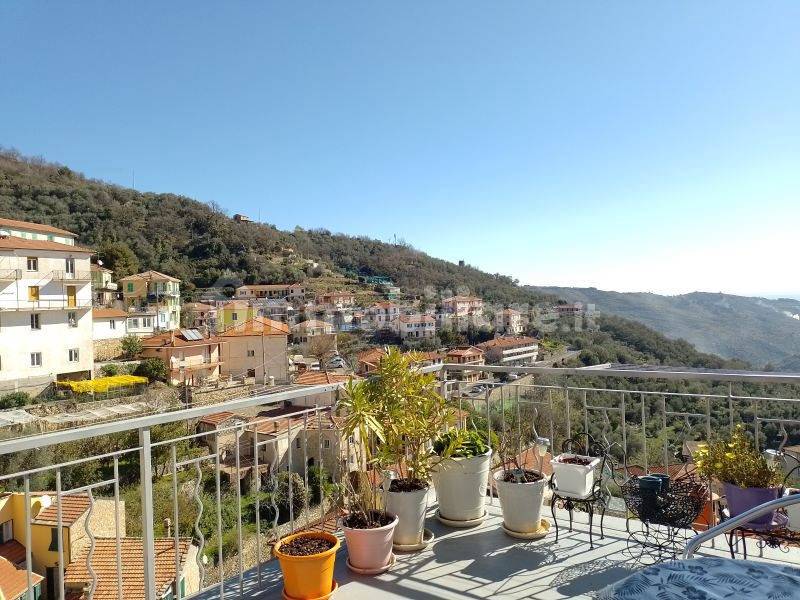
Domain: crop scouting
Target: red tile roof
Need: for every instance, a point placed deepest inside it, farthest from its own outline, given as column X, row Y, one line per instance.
column 17, row 243
column 217, row 418
column 150, row 276
column 465, row 351
column 108, row 313
column 72, row 508
column 322, row 378
column 258, row 326
column 104, row 564
column 508, row 342
column 13, row 552
column 28, row 226
column 417, row 319
column 14, row 581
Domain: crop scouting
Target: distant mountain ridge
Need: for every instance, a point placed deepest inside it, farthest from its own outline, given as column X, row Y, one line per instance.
column 760, row 331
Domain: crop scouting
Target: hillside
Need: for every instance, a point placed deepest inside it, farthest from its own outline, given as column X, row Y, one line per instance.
column 199, row 243
column 757, row 330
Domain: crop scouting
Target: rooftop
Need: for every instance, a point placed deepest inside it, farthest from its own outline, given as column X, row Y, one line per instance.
column 151, row 276
column 257, row 326
column 18, row 243
column 40, row 227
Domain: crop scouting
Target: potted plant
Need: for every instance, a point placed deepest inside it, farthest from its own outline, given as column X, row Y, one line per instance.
column 307, row 561
column 573, row 474
column 793, row 511
column 461, row 476
column 411, row 413
column 368, row 527
column 747, row 477
column 520, row 487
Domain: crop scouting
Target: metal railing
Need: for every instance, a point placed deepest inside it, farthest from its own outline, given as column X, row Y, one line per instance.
column 45, row 304
column 10, row 274
column 72, row 275
column 215, row 498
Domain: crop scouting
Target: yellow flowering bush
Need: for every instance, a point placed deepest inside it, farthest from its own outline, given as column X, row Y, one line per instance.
column 737, row 461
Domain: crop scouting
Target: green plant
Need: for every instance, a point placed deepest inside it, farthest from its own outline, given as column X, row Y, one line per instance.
column 737, row 461
column 131, row 346
column 109, row 370
column 14, row 400
column 154, row 369
column 460, row 443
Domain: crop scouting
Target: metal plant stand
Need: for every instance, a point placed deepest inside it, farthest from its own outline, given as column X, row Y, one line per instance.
column 599, row 498
column 665, row 517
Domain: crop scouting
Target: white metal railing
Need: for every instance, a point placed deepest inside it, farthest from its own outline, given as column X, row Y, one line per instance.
column 72, row 275
column 45, row 304
column 560, row 403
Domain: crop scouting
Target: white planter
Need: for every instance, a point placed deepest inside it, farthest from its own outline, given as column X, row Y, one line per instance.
column 369, row 549
column 793, row 512
column 461, row 487
column 574, row 480
column 521, row 503
column 410, row 509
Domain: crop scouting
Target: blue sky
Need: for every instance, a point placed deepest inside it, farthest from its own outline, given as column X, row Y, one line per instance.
column 627, row 145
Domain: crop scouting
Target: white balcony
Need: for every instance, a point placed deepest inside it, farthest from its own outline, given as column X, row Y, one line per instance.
column 81, row 276
column 45, row 304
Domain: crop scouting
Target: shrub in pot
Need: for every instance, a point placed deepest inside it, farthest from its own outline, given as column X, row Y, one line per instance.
column 461, row 476
column 520, row 488
column 406, row 413
column 747, row 476
column 307, row 561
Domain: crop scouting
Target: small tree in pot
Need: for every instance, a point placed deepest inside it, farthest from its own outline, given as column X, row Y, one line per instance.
column 521, row 485
column 747, row 477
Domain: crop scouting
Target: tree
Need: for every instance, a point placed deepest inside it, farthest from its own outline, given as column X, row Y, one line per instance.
column 131, row 346
column 321, row 347
column 154, row 369
column 118, row 257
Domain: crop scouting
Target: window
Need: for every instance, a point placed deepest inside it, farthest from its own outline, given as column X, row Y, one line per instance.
column 33, row 293
column 133, row 323
column 251, row 353
column 53, row 539
column 326, row 444
column 33, row 263
column 234, row 316
column 69, row 266
column 72, row 318
column 74, row 355
column 297, row 443
column 7, row 531
column 112, row 324
column 36, row 321
column 36, row 359
column 130, row 286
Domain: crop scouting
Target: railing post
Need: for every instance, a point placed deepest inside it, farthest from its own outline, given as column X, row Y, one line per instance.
column 146, row 489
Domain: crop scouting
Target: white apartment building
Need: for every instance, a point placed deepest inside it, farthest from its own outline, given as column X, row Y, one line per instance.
column 109, row 326
column 416, row 327
column 509, row 322
column 45, row 306
column 383, row 314
column 288, row 291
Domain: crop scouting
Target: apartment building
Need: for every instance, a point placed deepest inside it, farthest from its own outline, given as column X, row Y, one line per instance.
column 466, row 355
column 287, row 291
column 383, row 314
column 156, row 294
column 416, row 327
column 512, row 350
column 45, row 306
column 200, row 314
column 192, row 358
column 462, row 306
column 302, row 332
column 257, row 348
column 570, row 309
column 336, row 300
column 234, row 313
column 509, row 322
column 104, row 290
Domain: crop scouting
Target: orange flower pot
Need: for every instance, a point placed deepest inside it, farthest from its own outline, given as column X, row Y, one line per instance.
column 308, row 577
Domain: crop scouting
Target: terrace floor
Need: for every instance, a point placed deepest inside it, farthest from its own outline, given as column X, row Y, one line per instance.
column 483, row 562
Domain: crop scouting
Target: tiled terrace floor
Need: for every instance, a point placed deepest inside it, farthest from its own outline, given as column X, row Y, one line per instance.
column 484, row 562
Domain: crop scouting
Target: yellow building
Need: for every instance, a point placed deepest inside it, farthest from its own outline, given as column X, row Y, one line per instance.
column 234, row 313
column 155, row 293
column 44, row 532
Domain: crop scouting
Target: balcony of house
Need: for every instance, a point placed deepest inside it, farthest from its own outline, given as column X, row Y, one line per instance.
column 72, row 275
column 10, row 274
column 188, row 521
column 64, row 303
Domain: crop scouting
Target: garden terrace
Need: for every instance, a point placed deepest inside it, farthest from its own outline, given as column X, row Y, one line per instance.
column 172, row 486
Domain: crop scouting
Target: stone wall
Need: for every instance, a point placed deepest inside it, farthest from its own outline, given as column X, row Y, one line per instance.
column 107, row 349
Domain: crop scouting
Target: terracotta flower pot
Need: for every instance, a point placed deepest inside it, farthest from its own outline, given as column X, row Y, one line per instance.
column 369, row 549
column 521, row 503
column 410, row 509
column 308, row 577
column 461, row 487
column 743, row 499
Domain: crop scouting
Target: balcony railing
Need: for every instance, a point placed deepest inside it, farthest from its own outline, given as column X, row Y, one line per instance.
column 45, row 304
column 10, row 274
column 213, row 500
column 72, row 275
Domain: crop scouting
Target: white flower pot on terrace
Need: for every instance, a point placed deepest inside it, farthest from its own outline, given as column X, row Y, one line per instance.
column 410, row 509
column 521, row 503
column 574, row 480
column 461, row 487
column 793, row 512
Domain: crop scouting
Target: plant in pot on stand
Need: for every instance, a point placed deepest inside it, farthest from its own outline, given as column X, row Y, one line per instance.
column 521, row 485
column 461, row 476
column 368, row 527
column 412, row 414
column 747, row 477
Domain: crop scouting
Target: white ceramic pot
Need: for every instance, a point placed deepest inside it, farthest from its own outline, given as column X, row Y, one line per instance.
column 369, row 549
column 521, row 503
column 793, row 512
column 410, row 510
column 461, row 486
column 574, row 480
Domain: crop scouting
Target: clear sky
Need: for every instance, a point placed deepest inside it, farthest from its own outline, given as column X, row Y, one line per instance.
column 647, row 146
